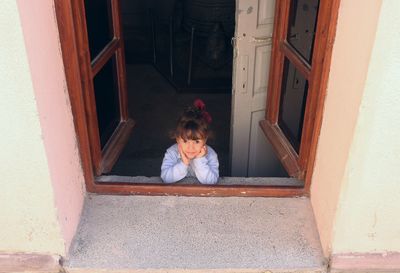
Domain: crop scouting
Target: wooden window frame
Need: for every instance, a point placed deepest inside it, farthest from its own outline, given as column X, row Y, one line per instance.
column 300, row 165
column 102, row 158
column 79, row 72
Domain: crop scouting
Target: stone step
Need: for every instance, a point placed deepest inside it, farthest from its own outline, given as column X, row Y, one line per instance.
column 195, row 234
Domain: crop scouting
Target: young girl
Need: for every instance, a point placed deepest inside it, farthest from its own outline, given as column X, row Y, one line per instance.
column 190, row 156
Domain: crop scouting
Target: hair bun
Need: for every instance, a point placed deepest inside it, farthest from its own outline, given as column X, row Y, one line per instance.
column 199, row 104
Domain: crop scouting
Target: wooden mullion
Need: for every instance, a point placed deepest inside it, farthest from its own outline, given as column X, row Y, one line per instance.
column 277, row 59
column 116, row 20
column 296, row 59
column 102, row 58
column 121, row 67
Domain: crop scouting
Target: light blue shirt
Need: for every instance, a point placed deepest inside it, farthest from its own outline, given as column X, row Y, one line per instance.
column 205, row 168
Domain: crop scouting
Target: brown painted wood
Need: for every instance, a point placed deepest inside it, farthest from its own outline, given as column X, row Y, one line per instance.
column 102, row 58
column 122, row 83
column 116, row 18
column 114, row 146
column 121, row 68
column 296, row 59
column 283, row 149
column 277, row 59
column 316, row 74
column 197, row 190
column 68, row 38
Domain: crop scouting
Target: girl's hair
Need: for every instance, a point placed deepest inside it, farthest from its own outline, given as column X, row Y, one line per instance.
column 193, row 124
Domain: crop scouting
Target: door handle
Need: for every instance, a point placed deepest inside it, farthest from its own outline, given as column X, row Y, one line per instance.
column 262, row 40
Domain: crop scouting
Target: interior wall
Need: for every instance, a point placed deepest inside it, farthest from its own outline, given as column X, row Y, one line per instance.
column 352, row 48
column 54, row 112
column 28, row 213
column 369, row 206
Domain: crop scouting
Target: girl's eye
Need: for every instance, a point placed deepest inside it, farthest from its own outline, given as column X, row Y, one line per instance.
column 197, row 141
column 184, row 141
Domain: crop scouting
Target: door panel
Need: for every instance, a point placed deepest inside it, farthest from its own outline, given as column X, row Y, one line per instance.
column 262, row 160
column 251, row 68
column 263, row 54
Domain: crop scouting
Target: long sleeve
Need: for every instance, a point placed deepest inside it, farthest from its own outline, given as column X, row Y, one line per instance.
column 172, row 168
column 206, row 168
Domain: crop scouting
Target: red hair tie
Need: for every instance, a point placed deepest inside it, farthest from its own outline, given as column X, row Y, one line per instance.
column 199, row 104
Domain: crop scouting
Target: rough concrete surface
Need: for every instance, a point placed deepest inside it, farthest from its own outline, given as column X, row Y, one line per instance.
column 195, row 234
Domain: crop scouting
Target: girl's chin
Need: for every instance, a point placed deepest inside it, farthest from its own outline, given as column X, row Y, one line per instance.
column 190, row 156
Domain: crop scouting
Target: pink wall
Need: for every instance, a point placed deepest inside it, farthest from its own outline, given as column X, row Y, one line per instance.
column 45, row 61
column 355, row 37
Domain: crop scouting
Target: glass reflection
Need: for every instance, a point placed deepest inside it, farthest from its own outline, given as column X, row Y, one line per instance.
column 302, row 26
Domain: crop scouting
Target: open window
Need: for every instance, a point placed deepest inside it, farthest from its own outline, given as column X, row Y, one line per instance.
column 103, row 68
column 302, row 40
column 96, row 63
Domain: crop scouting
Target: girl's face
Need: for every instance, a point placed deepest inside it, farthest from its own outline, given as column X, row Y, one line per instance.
column 191, row 148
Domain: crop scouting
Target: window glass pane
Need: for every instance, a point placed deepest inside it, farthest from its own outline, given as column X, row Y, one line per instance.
column 302, row 25
column 99, row 25
column 107, row 100
column 292, row 104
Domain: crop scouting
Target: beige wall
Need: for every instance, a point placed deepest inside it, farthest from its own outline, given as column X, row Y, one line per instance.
column 350, row 59
column 42, row 180
column 356, row 189
column 353, row 166
column 42, row 44
column 368, row 212
column 28, row 214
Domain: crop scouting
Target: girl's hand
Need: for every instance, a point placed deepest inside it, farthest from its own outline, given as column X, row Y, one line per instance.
column 184, row 158
column 203, row 152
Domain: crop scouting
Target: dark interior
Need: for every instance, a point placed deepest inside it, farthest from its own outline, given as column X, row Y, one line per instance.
column 176, row 51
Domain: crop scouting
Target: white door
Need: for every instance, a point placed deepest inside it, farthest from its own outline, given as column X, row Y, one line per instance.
column 251, row 154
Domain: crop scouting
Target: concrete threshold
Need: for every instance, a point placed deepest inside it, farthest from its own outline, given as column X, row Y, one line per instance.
column 227, row 181
column 195, row 234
